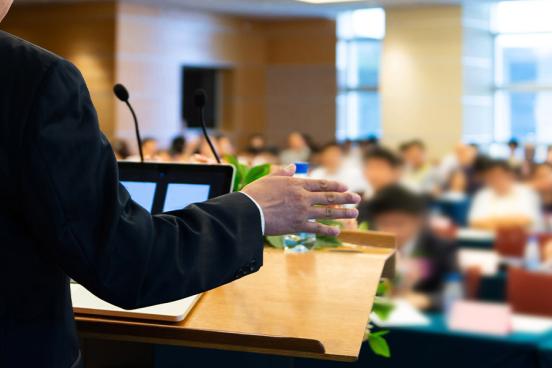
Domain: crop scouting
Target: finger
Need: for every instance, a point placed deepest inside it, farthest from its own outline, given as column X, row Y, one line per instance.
column 313, row 185
column 320, row 229
column 328, row 213
column 331, row 198
column 285, row 171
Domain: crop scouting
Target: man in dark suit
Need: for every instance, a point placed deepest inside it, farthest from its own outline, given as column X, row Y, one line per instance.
column 423, row 260
column 64, row 214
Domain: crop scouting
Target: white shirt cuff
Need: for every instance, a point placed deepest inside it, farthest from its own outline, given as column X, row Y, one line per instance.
column 260, row 210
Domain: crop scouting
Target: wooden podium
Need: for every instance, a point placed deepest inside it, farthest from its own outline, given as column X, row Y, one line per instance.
column 313, row 305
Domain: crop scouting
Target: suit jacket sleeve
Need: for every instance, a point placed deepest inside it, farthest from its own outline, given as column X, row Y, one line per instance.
column 85, row 221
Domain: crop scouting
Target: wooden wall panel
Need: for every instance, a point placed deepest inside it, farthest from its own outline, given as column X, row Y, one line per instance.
column 153, row 43
column 83, row 33
column 301, row 78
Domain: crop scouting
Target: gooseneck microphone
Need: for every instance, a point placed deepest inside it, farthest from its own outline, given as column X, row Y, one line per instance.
column 122, row 94
column 200, row 99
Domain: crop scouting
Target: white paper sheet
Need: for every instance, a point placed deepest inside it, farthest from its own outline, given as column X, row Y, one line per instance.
column 404, row 314
column 84, row 302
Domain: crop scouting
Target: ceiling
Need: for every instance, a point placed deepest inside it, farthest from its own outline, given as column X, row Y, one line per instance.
column 275, row 7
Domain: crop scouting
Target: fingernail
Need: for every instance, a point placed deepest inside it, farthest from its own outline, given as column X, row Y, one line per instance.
column 290, row 167
column 353, row 213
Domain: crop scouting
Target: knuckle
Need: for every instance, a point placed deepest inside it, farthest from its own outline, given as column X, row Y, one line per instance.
column 330, row 198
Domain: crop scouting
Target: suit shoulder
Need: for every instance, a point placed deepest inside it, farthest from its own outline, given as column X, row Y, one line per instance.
column 22, row 57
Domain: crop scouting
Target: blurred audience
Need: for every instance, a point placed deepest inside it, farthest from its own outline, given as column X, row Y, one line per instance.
column 418, row 174
column 120, row 148
column 528, row 164
column 541, row 182
column 423, row 260
column 256, row 144
column 332, row 167
column 503, row 202
column 456, row 188
column 381, row 168
column 297, row 150
column 177, row 150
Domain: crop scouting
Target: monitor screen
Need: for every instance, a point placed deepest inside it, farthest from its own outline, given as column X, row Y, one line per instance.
column 181, row 195
column 142, row 193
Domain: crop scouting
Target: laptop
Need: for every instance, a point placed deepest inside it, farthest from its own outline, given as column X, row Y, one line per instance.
column 159, row 188
column 165, row 187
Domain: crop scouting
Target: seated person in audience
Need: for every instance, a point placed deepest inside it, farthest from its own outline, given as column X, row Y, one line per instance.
column 513, row 158
column 528, row 164
column 456, row 187
column 149, row 150
column 256, row 144
column 298, row 149
column 503, row 202
column 332, row 166
column 549, row 154
column 541, row 182
column 463, row 157
column 120, row 148
column 177, row 149
column 381, row 167
column 418, row 174
column 225, row 146
column 423, row 260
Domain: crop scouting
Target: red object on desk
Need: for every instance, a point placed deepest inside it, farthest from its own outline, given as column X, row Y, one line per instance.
column 530, row 292
column 510, row 241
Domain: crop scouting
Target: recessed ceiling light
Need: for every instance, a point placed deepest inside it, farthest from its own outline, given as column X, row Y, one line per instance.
column 328, row 1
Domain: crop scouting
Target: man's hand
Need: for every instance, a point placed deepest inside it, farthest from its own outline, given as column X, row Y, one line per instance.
column 288, row 203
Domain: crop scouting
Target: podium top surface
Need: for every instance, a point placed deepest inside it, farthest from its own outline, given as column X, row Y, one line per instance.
column 314, row 305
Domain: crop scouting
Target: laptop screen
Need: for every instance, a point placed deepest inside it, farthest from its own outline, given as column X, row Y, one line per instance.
column 181, row 195
column 164, row 187
column 142, row 193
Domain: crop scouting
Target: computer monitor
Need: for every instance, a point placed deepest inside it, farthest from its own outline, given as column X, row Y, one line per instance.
column 165, row 187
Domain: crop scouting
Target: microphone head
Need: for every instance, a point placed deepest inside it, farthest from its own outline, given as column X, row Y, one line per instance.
column 200, row 98
column 121, row 92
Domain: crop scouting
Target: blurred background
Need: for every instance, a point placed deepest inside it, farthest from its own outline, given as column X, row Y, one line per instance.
column 438, row 112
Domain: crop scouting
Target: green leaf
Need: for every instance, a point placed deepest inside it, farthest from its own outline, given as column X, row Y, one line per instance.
column 233, row 160
column 383, row 287
column 275, row 241
column 364, row 226
column 256, row 173
column 379, row 345
column 382, row 308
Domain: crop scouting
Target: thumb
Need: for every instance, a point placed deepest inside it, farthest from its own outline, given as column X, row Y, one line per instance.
column 284, row 171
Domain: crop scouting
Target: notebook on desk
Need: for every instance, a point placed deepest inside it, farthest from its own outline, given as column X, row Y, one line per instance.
column 84, row 302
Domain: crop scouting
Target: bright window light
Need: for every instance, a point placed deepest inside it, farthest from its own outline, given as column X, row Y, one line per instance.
column 363, row 23
column 522, row 16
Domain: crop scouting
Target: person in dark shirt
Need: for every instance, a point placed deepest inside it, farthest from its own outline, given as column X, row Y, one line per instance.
column 423, row 259
column 381, row 167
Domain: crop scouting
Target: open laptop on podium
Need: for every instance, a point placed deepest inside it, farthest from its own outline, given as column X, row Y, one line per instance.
column 160, row 187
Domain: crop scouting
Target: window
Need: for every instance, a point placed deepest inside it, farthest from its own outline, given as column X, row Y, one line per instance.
column 523, row 71
column 360, row 34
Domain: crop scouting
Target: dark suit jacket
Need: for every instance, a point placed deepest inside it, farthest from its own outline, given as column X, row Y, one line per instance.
column 64, row 214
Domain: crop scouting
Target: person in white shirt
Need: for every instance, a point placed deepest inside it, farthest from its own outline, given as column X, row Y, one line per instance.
column 503, row 202
column 333, row 165
column 418, row 175
column 298, row 149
